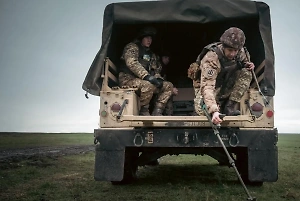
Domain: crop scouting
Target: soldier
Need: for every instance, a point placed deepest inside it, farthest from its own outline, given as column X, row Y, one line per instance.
column 165, row 60
column 225, row 74
column 140, row 68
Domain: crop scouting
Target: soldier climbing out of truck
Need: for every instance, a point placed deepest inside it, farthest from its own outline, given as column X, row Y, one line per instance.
column 140, row 68
column 225, row 75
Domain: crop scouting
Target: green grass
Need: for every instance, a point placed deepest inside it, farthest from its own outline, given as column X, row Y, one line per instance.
column 20, row 140
column 183, row 177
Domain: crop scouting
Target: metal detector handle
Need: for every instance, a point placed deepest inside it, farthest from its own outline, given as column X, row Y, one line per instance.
column 204, row 108
column 221, row 116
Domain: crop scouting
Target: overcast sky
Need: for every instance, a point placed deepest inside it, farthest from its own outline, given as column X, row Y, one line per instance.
column 47, row 47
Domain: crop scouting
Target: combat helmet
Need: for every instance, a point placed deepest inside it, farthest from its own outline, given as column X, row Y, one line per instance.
column 233, row 37
column 146, row 31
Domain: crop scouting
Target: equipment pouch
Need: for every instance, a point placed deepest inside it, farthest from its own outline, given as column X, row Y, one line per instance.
column 194, row 71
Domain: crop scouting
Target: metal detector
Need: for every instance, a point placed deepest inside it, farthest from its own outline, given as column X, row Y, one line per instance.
column 231, row 161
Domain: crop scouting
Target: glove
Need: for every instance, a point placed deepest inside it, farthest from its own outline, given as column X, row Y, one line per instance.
column 161, row 82
column 153, row 80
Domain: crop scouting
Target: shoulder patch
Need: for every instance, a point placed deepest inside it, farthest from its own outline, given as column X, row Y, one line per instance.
column 210, row 72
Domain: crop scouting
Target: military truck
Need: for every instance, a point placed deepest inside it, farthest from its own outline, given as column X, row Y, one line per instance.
column 124, row 141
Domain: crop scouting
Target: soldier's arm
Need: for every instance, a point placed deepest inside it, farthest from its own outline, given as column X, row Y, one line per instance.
column 244, row 57
column 131, row 55
column 210, row 68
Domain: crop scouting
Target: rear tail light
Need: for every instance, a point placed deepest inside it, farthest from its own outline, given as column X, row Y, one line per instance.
column 116, row 107
column 270, row 114
column 257, row 109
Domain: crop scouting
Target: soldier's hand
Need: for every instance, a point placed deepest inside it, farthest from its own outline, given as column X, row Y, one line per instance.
column 249, row 65
column 149, row 78
column 161, row 82
column 216, row 118
column 175, row 91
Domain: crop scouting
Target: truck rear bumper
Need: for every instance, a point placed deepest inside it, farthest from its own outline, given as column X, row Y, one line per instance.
column 258, row 148
column 117, row 139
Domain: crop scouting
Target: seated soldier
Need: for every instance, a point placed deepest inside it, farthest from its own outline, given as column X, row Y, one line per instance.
column 165, row 60
column 140, row 68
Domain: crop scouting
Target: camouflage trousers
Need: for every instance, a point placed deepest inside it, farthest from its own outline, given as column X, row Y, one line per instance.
column 147, row 89
column 233, row 89
column 169, row 107
column 168, row 110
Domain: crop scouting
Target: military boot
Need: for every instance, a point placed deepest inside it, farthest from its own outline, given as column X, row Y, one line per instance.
column 230, row 108
column 158, row 109
column 168, row 111
column 144, row 111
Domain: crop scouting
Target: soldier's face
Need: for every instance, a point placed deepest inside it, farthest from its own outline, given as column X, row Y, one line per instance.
column 146, row 41
column 165, row 59
column 230, row 53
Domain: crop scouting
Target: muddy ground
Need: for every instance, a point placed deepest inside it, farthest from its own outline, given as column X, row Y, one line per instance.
column 37, row 156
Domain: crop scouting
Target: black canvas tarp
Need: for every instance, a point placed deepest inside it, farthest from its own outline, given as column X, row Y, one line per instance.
column 197, row 22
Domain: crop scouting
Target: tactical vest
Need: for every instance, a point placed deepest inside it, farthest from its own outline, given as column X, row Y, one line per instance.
column 228, row 67
column 144, row 58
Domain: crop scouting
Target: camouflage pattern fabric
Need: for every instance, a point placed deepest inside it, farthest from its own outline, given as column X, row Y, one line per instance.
column 234, row 87
column 197, row 101
column 193, row 71
column 164, row 94
column 145, row 88
column 169, row 107
column 210, row 68
column 140, row 69
column 233, row 37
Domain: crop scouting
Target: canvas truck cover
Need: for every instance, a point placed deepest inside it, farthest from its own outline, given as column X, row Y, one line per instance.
column 185, row 27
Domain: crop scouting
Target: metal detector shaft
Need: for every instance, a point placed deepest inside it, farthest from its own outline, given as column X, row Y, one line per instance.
column 231, row 161
column 255, row 79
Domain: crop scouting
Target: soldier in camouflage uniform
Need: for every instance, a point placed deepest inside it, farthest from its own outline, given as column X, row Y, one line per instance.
column 140, row 68
column 222, row 74
column 164, row 59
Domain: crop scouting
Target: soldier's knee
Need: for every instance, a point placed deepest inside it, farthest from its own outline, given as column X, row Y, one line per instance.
column 147, row 85
column 246, row 72
column 167, row 86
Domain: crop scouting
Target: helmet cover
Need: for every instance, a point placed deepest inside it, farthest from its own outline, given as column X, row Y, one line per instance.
column 233, row 37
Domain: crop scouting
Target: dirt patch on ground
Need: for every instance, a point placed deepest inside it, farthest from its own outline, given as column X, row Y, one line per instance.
column 10, row 158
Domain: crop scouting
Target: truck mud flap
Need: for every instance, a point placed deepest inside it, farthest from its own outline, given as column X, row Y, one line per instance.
column 109, row 164
column 263, row 164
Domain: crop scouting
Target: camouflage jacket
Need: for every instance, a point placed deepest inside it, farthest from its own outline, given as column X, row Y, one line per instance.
column 212, row 68
column 140, row 61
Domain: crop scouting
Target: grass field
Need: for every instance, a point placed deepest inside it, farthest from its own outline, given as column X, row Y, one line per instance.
column 20, row 140
column 183, row 177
